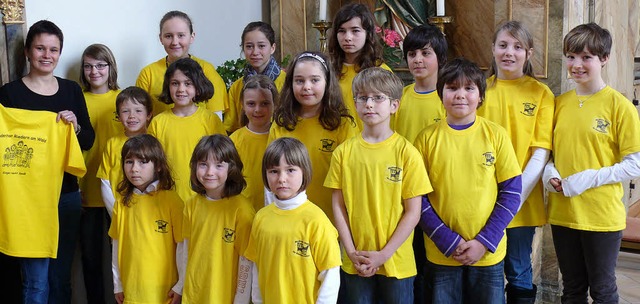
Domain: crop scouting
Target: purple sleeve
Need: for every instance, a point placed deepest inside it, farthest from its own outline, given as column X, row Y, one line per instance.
column 444, row 238
column 505, row 209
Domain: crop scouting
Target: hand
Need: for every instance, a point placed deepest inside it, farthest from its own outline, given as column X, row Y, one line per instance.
column 175, row 297
column 119, row 297
column 68, row 117
column 359, row 262
column 375, row 258
column 472, row 252
column 556, row 183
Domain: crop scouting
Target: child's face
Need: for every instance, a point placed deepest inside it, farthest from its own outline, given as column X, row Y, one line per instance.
column 96, row 72
column 140, row 172
column 212, row 174
column 257, row 107
column 352, row 37
column 284, row 180
column 460, row 100
column 257, row 49
column 176, row 38
column 585, row 67
column 309, row 85
column 423, row 64
column 181, row 89
column 134, row 117
column 509, row 55
column 375, row 108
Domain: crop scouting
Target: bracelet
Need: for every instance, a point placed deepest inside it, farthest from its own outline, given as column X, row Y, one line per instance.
column 78, row 129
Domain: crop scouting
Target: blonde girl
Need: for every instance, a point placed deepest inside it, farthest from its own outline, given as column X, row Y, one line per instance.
column 311, row 110
column 147, row 227
column 217, row 224
column 524, row 106
column 258, row 95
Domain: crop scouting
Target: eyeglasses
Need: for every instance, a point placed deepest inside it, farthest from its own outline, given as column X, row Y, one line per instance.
column 99, row 66
column 376, row 99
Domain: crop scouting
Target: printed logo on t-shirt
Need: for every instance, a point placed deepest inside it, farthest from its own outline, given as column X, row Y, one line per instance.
column 301, row 248
column 601, row 125
column 489, row 159
column 161, row 226
column 437, row 119
column 229, row 235
column 18, row 155
column 394, row 174
column 327, row 145
column 116, row 117
column 528, row 109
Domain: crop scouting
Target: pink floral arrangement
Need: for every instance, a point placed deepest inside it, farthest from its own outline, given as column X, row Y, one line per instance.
column 391, row 52
column 390, row 37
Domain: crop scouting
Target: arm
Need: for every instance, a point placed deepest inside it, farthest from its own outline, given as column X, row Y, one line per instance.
column 551, row 177
column 533, row 172
column 442, row 236
column 580, row 182
column 181, row 263
column 107, row 195
column 405, row 227
column 245, row 279
column 117, row 283
column 85, row 132
column 505, row 209
column 256, row 296
column 328, row 292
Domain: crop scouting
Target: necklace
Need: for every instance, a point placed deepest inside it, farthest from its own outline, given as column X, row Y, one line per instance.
column 588, row 97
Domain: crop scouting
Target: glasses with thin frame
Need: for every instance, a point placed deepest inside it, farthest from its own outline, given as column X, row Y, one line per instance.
column 375, row 98
column 99, row 66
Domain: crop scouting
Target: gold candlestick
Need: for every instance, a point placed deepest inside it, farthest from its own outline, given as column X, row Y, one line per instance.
column 322, row 26
column 440, row 21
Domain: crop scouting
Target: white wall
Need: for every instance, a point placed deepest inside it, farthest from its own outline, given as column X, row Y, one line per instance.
column 130, row 29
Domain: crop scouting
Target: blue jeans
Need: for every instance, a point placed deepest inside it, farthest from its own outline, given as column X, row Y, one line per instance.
column 517, row 262
column 587, row 261
column 35, row 283
column 376, row 289
column 69, row 211
column 464, row 284
column 92, row 238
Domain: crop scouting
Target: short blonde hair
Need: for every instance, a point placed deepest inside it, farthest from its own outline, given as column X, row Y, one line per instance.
column 377, row 79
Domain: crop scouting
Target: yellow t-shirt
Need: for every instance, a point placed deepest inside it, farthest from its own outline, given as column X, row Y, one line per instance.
column 105, row 123
column 218, row 234
column 290, row 249
column 37, row 151
column 348, row 74
column 147, row 232
column 465, row 167
column 233, row 116
column 111, row 165
column 375, row 179
column 600, row 134
column 416, row 112
column 320, row 143
column 251, row 147
column 524, row 107
column 151, row 79
column 179, row 136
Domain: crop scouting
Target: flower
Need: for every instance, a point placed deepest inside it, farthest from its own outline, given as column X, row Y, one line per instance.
column 392, row 44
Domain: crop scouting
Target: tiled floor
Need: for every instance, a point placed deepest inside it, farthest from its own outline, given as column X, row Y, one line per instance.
column 628, row 277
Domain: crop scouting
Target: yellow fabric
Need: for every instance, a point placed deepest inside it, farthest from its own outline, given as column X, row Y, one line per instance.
column 599, row 134
column 375, row 179
column 179, row 136
column 320, row 143
column 524, row 107
column 37, row 151
column 151, row 79
column 465, row 167
column 218, row 234
column 111, row 165
column 105, row 123
column 345, row 81
column 416, row 112
column 251, row 147
column 290, row 249
column 232, row 118
column 147, row 232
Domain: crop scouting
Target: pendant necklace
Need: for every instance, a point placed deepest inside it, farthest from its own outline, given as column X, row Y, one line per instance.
column 588, row 97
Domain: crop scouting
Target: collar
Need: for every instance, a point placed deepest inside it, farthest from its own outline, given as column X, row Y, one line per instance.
column 151, row 188
column 291, row 203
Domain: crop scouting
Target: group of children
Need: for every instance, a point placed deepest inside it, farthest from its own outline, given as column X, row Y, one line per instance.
column 331, row 167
